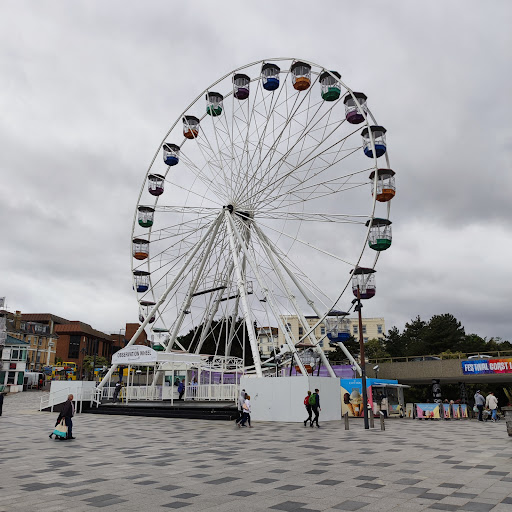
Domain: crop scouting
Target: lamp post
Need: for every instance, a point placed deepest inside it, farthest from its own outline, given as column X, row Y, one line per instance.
column 363, row 287
column 362, row 364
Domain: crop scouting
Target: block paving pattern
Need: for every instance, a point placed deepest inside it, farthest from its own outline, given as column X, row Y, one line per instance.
column 139, row 464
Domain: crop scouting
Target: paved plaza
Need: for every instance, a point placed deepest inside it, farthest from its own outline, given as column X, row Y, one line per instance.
column 152, row 464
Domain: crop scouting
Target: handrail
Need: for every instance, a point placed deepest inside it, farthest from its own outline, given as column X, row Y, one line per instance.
column 442, row 356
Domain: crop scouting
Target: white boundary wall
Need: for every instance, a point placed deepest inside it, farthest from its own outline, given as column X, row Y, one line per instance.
column 282, row 398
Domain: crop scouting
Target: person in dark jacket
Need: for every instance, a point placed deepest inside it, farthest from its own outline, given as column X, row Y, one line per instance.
column 68, row 411
column 181, row 389
column 117, row 390
column 316, row 408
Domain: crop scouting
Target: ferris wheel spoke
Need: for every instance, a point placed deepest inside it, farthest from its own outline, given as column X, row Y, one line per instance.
column 281, row 179
column 308, row 244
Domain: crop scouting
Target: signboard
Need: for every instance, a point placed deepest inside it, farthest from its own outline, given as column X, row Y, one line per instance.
column 134, row 354
column 447, row 411
column 487, row 366
column 428, row 411
column 456, row 411
column 463, row 410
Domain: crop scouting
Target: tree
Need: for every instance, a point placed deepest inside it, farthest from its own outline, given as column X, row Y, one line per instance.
column 443, row 332
column 375, row 349
column 352, row 345
column 413, row 337
column 393, row 343
column 89, row 361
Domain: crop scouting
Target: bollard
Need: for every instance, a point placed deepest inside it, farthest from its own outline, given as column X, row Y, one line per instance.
column 372, row 419
column 382, row 425
column 346, row 421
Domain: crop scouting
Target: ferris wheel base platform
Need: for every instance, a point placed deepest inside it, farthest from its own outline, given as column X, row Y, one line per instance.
column 281, row 399
column 192, row 409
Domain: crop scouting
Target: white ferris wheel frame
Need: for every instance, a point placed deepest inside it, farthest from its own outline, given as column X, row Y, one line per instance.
column 241, row 255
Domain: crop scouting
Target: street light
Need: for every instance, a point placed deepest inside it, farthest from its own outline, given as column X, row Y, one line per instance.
column 376, row 370
column 363, row 287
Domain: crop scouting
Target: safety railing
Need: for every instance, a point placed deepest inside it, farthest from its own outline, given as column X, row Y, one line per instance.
column 212, row 392
column 54, row 398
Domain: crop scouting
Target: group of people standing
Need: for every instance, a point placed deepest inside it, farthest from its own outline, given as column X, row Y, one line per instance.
column 244, row 410
column 312, row 404
column 489, row 402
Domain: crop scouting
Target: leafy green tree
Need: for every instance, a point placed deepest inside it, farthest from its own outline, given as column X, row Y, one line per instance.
column 473, row 343
column 89, row 361
column 375, row 349
column 352, row 345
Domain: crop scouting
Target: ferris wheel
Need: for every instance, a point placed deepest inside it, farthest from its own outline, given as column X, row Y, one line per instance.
column 259, row 204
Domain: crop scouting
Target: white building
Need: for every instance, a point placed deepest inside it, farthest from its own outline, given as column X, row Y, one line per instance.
column 13, row 362
column 267, row 338
column 372, row 328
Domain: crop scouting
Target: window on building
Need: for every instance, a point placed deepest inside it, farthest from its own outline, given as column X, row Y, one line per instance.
column 289, row 327
column 40, row 342
column 322, row 330
column 10, row 377
column 379, row 328
column 355, row 329
column 74, row 347
column 301, row 331
column 364, row 329
column 365, row 339
column 15, row 354
column 22, row 326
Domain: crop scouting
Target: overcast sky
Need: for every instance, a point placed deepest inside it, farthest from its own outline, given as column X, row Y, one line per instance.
column 88, row 89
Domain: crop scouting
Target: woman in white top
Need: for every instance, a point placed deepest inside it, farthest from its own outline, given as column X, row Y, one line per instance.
column 246, row 412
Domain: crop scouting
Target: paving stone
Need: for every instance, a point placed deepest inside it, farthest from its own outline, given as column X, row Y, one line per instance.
column 350, row 505
column 475, row 506
column 289, row 506
column 125, row 471
column 444, row 506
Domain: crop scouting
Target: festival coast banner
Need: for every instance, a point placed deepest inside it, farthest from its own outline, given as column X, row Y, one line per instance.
column 483, row 366
column 456, row 411
column 447, row 411
column 428, row 411
column 464, row 410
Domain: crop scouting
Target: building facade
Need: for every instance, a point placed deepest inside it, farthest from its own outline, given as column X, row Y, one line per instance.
column 78, row 340
column 372, row 328
column 268, row 340
column 13, row 360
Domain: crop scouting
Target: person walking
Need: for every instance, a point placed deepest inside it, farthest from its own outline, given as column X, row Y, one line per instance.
column 479, row 402
column 1, row 402
column 240, row 407
column 117, row 390
column 308, row 409
column 315, row 406
column 181, row 389
column 68, row 411
column 491, row 402
column 246, row 412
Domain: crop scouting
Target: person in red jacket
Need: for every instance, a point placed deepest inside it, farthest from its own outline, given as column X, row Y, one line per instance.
column 308, row 408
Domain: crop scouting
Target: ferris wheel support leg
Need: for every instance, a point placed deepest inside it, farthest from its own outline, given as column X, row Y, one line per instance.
column 243, row 295
column 311, row 303
column 188, row 298
column 162, row 298
column 232, row 228
column 293, row 300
